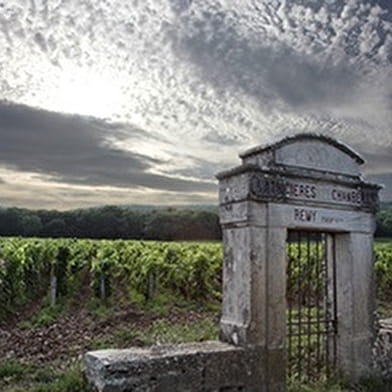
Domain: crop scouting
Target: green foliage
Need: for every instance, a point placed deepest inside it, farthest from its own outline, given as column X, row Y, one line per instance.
column 71, row 380
column 164, row 332
column 12, row 370
column 160, row 332
column 153, row 223
column 304, row 270
column 373, row 384
column 370, row 384
column 321, row 386
column 188, row 223
column 310, row 270
column 156, row 273
column 383, row 270
column 100, row 310
column 46, row 316
column 384, row 221
column 153, row 273
column 17, row 376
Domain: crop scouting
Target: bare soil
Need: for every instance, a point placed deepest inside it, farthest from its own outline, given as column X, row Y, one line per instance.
column 76, row 331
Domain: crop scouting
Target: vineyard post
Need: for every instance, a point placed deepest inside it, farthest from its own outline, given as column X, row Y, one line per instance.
column 53, row 284
column 102, row 287
column 151, row 285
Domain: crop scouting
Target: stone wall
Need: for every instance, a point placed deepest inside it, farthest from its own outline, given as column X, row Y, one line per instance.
column 200, row 367
column 197, row 367
column 382, row 350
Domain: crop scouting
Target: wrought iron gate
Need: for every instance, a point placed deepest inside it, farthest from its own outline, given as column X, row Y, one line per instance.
column 312, row 305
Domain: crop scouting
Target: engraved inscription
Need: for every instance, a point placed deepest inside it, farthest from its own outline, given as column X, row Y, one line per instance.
column 305, row 215
column 331, row 219
column 268, row 187
column 358, row 197
column 353, row 196
column 278, row 188
column 297, row 190
column 313, row 216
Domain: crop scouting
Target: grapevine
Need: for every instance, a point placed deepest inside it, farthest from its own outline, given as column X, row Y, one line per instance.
column 34, row 269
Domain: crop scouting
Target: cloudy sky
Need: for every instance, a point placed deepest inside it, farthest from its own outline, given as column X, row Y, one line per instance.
column 143, row 101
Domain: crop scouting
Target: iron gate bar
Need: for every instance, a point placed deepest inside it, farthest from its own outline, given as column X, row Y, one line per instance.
column 300, row 303
column 290, row 321
column 309, row 277
column 335, row 303
column 312, row 310
column 326, row 306
column 318, row 351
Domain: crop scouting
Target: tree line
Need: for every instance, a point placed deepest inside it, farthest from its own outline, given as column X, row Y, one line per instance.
column 111, row 222
column 164, row 224
column 384, row 221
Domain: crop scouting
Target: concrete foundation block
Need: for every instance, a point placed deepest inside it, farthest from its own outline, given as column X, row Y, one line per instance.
column 196, row 367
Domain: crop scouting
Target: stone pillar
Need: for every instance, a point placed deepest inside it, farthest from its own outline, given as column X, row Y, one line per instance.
column 344, row 272
column 243, row 319
column 276, row 308
column 254, row 286
column 356, row 303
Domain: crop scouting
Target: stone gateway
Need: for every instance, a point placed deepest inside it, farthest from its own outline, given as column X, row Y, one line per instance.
column 300, row 198
column 279, row 194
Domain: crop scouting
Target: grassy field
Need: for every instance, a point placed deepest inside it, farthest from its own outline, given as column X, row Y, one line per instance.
column 43, row 353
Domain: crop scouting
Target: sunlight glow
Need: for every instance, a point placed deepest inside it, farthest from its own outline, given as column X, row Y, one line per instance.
column 85, row 92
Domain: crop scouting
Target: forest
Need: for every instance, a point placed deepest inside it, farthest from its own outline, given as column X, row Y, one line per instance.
column 384, row 220
column 114, row 222
column 188, row 223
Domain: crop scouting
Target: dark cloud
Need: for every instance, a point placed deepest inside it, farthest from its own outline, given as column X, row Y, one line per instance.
column 386, row 180
column 207, row 76
column 285, row 78
column 220, row 138
column 75, row 149
column 386, row 6
column 40, row 41
column 200, row 169
column 180, row 6
column 378, row 161
column 315, row 5
column 230, row 59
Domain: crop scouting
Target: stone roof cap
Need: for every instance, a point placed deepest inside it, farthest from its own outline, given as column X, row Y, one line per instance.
column 301, row 137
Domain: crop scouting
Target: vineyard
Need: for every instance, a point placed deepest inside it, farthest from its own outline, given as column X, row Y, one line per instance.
column 51, row 269
column 32, row 269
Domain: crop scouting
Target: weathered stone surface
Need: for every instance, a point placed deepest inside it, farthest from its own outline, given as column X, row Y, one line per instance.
column 382, row 349
column 246, row 212
column 207, row 367
column 314, row 218
column 238, row 280
column 257, row 184
column 317, row 152
column 306, row 168
column 306, row 182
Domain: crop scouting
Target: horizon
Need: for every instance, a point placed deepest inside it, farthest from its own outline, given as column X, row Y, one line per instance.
column 186, row 207
column 108, row 103
column 125, row 206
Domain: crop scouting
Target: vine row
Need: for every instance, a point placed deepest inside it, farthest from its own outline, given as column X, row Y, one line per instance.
column 32, row 269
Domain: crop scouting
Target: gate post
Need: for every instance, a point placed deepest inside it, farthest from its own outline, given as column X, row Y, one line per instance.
column 305, row 182
column 254, row 287
column 356, row 302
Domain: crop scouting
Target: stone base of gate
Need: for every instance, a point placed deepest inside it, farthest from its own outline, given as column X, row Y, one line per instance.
column 382, row 350
column 207, row 366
